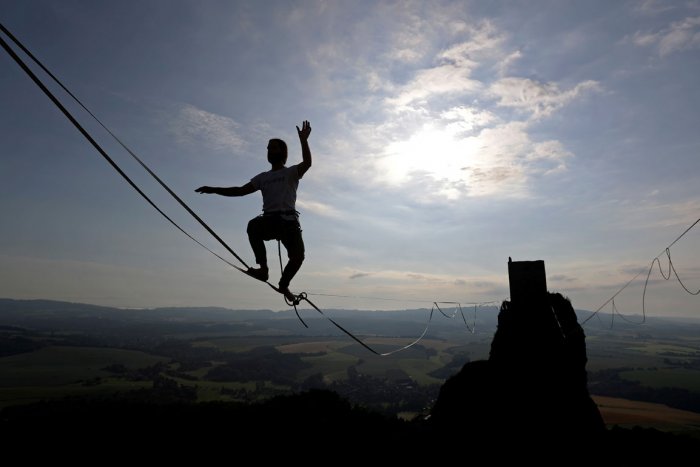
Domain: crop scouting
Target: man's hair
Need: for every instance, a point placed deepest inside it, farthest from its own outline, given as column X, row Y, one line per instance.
column 280, row 154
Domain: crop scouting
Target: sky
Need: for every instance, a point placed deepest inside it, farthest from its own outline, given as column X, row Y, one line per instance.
column 447, row 136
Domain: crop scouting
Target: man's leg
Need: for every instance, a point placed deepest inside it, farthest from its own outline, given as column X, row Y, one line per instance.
column 257, row 233
column 294, row 244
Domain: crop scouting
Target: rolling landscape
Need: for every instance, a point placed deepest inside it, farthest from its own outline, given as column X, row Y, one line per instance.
column 644, row 376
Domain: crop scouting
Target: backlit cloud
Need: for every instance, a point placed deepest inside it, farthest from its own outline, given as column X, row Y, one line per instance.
column 653, row 7
column 359, row 275
column 205, row 129
column 318, row 208
column 679, row 35
column 447, row 79
column 497, row 160
column 451, row 76
column 535, row 98
column 448, row 130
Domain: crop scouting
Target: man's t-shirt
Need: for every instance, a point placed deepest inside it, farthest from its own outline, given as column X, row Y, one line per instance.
column 279, row 189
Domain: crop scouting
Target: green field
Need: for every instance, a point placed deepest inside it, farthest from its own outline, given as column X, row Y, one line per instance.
column 53, row 372
column 666, row 349
column 619, row 353
column 58, row 366
column 666, row 377
column 418, row 369
column 229, row 344
column 333, row 366
column 312, row 346
column 337, row 354
column 27, row 394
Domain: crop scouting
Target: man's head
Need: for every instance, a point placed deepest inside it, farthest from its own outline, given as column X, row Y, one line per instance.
column 276, row 151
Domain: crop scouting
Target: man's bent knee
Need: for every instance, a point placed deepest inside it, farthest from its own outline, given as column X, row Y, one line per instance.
column 252, row 227
column 297, row 258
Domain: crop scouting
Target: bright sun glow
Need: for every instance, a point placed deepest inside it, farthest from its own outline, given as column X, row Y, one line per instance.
column 439, row 154
column 456, row 160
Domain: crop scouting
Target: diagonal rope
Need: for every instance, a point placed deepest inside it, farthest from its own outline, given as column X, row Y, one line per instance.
column 72, row 119
column 79, row 102
column 104, row 154
column 99, row 149
column 115, row 166
column 595, row 313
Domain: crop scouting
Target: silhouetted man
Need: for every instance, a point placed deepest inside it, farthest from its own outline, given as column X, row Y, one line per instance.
column 280, row 220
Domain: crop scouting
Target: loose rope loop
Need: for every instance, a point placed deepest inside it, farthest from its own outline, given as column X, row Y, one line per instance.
column 667, row 276
column 303, row 296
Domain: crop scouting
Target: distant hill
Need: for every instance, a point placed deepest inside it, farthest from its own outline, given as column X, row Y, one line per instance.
column 47, row 315
column 39, row 314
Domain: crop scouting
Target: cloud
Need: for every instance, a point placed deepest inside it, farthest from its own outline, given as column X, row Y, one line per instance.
column 198, row 127
column 318, row 208
column 407, row 43
column 451, row 151
column 454, row 65
column 652, row 7
column 632, row 270
column 469, row 153
column 467, row 118
column 637, row 214
column 535, row 98
column 484, row 41
column 404, row 277
column 417, row 277
column 445, row 122
column 447, row 79
column 561, row 278
column 506, row 63
column 678, row 36
column 359, row 275
column 552, row 153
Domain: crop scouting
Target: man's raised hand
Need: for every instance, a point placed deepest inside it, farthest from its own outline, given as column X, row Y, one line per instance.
column 305, row 130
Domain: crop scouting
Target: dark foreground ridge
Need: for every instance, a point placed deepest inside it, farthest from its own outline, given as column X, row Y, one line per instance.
column 531, row 404
column 312, row 424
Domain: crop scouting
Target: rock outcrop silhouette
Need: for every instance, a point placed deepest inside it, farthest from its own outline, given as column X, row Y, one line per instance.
column 532, row 389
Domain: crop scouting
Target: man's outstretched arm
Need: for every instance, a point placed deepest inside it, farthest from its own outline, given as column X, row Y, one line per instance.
column 230, row 191
column 305, row 151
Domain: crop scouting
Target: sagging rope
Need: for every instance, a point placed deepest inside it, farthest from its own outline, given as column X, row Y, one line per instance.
column 298, row 299
column 656, row 260
column 303, row 296
column 124, row 146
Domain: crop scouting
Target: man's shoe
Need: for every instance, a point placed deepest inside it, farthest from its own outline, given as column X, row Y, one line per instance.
column 288, row 295
column 260, row 273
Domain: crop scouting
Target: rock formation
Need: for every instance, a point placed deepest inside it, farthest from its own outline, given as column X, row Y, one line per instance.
column 533, row 388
